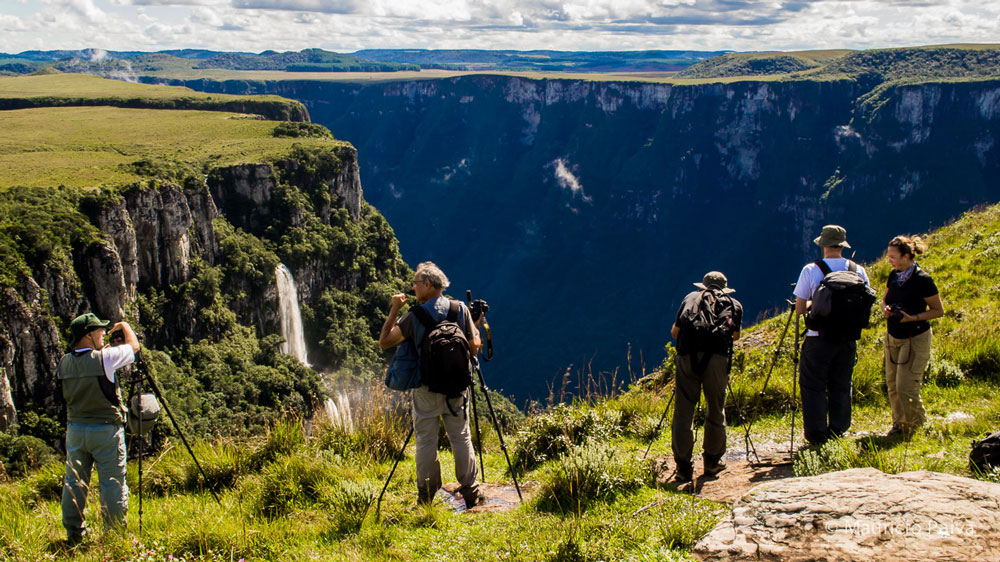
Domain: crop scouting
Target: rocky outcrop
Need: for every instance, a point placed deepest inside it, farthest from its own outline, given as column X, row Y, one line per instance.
column 30, row 348
column 861, row 515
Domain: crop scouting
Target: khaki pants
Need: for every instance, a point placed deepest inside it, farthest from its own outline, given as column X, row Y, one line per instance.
column 688, row 388
column 428, row 408
column 905, row 362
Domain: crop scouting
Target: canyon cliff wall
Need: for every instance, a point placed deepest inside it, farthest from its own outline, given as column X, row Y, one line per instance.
column 583, row 211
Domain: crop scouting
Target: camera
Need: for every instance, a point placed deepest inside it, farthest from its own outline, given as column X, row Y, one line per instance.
column 478, row 308
column 895, row 313
column 117, row 337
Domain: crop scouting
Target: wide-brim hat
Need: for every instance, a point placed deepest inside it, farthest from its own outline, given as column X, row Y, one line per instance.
column 715, row 280
column 832, row 236
column 84, row 324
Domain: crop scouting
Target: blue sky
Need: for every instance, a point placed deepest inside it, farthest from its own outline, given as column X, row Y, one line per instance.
column 349, row 25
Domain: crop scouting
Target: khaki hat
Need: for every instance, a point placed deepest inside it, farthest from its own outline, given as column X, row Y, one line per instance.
column 831, row 236
column 84, row 324
column 715, row 280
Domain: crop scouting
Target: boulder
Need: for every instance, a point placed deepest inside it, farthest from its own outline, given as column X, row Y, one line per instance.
column 861, row 514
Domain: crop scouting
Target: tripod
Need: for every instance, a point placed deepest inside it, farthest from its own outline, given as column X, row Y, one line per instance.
column 145, row 373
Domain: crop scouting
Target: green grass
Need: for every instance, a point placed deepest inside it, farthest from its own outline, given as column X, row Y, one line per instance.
column 56, row 90
column 92, row 145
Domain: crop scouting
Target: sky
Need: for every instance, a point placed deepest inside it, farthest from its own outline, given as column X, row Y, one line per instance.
column 351, row 25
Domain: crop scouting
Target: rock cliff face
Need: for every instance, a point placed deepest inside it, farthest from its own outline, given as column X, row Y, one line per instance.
column 596, row 204
column 150, row 236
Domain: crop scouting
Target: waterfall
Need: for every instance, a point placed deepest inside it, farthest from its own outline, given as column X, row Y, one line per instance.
column 291, row 320
column 338, row 411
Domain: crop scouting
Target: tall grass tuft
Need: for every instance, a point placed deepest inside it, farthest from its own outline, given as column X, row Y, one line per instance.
column 594, row 471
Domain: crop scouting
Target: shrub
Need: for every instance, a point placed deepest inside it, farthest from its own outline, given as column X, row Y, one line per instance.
column 20, row 454
column 349, row 501
column 687, row 519
column 46, row 484
column 297, row 481
column 553, row 433
column 946, row 373
column 595, row 471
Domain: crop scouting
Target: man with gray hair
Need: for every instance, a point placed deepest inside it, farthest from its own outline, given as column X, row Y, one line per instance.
column 827, row 362
column 707, row 323
column 429, row 283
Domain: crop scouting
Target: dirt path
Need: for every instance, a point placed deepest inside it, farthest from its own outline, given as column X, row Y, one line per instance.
column 739, row 476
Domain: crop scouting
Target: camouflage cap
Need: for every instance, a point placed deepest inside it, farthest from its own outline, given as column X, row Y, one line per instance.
column 84, row 324
column 715, row 280
column 832, row 236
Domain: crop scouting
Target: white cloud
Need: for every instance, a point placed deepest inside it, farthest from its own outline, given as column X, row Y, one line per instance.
column 346, row 25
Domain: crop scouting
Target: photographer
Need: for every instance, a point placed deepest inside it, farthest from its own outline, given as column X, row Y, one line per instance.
column 429, row 283
column 911, row 299
column 95, row 418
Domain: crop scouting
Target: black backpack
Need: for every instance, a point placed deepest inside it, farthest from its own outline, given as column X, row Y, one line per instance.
column 445, row 357
column 841, row 305
column 985, row 455
column 708, row 326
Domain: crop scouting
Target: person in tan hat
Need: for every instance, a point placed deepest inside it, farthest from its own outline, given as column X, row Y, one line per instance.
column 95, row 417
column 827, row 361
column 708, row 321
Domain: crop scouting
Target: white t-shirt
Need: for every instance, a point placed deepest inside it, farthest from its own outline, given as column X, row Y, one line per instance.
column 812, row 275
column 115, row 357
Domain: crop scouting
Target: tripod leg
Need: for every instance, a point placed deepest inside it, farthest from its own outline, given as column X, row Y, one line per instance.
column 496, row 426
column 141, row 439
column 479, row 436
column 402, row 451
column 656, row 432
column 173, row 420
column 795, row 380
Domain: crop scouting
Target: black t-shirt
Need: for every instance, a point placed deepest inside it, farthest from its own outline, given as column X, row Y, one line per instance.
column 910, row 297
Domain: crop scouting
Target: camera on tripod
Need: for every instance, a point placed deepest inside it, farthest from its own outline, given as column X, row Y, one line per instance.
column 478, row 308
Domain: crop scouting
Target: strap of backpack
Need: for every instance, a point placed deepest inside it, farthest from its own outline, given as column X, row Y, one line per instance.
column 453, row 308
column 852, row 267
column 823, row 267
column 421, row 314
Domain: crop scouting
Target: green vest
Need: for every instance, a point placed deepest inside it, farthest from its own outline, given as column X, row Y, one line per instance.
column 81, row 375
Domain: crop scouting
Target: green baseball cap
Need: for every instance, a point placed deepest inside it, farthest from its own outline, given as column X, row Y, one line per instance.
column 84, row 324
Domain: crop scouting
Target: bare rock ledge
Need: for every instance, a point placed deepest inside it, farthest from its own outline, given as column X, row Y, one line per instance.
column 861, row 514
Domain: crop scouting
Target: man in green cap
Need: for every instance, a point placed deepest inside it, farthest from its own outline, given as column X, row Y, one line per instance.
column 827, row 361
column 95, row 414
column 707, row 323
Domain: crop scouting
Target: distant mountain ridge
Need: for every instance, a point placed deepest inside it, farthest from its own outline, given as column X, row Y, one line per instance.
column 370, row 60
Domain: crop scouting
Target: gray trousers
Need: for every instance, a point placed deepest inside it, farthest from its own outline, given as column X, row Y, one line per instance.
column 87, row 445
column 825, row 370
column 428, row 408
column 687, row 390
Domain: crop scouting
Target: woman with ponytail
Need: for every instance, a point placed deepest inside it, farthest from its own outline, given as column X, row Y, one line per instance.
column 911, row 299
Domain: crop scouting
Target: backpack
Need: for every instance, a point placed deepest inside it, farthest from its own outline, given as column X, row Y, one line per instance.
column 403, row 372
column 708, row 326
column 985, row 455
column 445, row 357
column 841, row 305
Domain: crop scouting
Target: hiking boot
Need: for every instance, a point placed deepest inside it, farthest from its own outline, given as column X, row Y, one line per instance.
column 895, row 430
column 713, row 468
column 684, row 472
column 473, row 499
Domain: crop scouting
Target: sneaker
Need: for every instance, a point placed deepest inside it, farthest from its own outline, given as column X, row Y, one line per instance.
column 684, row 472
column 711, row 469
